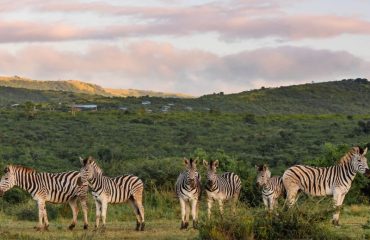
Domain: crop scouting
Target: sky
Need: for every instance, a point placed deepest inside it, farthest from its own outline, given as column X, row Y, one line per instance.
column 194, row 47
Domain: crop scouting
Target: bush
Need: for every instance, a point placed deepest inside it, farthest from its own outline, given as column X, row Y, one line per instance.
column 308, row 221
column 16, row 196
column 303, row 222
column 228, row 227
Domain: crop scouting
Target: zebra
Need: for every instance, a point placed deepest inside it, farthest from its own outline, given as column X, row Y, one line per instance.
column 222, row 187
column 188, row 190
column 48, row 187
column 113, row 190
column 321, row 181
column 272, row 187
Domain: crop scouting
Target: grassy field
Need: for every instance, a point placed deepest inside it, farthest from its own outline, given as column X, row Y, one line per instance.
column 158, row 229
column 354, row 225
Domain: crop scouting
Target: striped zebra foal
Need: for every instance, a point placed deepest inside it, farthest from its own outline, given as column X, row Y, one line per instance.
column 188, row 190
column 113, row 190
column 222, row 187
column 48, row 187
column 321, row 181
column 272, row 187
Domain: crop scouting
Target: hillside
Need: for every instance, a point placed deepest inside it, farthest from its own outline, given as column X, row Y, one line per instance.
column 79, row 87
column 347, row 96
column 350, row 96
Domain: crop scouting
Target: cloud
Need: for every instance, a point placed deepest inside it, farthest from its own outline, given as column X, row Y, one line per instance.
column 162, row 67
column 244, row 19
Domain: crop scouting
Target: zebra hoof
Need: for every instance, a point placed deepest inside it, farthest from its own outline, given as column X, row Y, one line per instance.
column 46, row 228
column 184, row 225
column 335, row 223
column 137, row 225
column 195, row 224
column 38, row 228
column 86, row 226
column 71, row 227
column 142, row 226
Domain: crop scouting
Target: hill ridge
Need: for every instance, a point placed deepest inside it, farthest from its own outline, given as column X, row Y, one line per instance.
column 80, row 87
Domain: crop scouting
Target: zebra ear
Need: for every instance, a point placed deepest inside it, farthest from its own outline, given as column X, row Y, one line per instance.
column 186, row 161
column 81, row 160
column 196, row 160
column 6, row 169
column 205, row 163
column 264, row 167
column 364, row 152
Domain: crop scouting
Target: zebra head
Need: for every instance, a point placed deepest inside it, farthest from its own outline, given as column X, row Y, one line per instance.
column 7, row 180
column 191, row 166
column 263, row 174
column 89, row 169
column 211, row 171
column 359, row 161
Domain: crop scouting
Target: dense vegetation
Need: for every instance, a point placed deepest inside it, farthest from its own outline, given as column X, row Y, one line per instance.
column 238, row 130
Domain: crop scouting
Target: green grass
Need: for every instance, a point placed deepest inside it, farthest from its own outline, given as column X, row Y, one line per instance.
column 354, row 219
column 155, row 229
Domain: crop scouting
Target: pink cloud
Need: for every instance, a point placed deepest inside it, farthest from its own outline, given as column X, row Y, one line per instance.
column 242, row 19
column 162, row 67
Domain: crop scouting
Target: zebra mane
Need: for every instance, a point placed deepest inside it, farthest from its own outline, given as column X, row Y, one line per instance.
column 27, row 169
column 348, row 156
column 96, row 166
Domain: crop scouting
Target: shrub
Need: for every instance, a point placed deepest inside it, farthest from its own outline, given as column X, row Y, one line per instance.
column 300, row 222
column 228, row 227
column 304, row 222
column 250, row 118
column 16, row 196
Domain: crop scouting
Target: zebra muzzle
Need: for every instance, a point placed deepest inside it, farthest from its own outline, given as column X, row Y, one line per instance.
column 367, row 173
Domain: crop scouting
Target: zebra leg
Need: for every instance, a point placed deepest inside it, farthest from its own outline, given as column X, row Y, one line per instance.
column 292, row 190
column 98, row 213
column 74, row 208
column 210, row 203
column 137, row 209
column 338, row 201
column 187, row 212
column 194, row 212
column 271, row 203
column 141, row 209
column 84, row 207
column 235, row 203
column 183, row 210
column 138, row 197
column 46, row 221
column 104, row 207
column 41, row 206
column 265, row 202
column 221, row 205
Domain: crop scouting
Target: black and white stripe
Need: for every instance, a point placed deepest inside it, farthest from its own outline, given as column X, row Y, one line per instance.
column 321, row 181
column 222, row 187
column 272, row 187
column 113, row 190
column 188, row 190
column 48, row 187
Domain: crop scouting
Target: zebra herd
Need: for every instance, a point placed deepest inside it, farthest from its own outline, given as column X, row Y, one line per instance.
column 316, row 181
column 72, row 187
